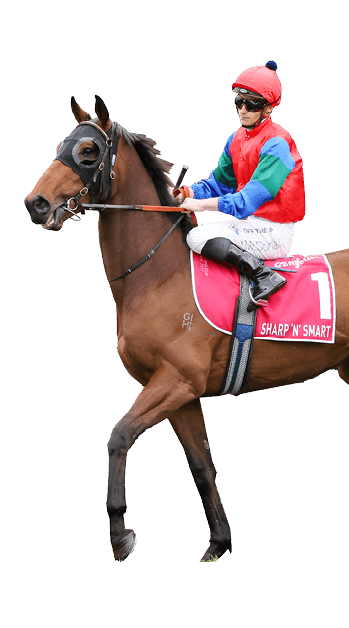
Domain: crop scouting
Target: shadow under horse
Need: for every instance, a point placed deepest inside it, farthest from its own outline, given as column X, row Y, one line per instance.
column 176, row 364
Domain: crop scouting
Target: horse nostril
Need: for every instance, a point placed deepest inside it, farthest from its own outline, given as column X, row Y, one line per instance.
column 40, row 204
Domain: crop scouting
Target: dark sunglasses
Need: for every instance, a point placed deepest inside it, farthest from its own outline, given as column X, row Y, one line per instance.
column 251, row 105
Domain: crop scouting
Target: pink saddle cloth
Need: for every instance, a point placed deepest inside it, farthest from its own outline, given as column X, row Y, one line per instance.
column 304, row 309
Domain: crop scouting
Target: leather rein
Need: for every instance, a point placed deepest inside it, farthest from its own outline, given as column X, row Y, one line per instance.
column 101, row 181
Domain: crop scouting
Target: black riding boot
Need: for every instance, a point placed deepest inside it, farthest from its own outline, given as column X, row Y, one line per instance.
column 266, row 281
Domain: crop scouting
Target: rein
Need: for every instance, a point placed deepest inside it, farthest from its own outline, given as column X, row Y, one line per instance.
column 156, row 208
column 150, row 254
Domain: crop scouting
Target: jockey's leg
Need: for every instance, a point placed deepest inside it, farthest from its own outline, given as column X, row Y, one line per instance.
column 266, row 281
column 243, row 243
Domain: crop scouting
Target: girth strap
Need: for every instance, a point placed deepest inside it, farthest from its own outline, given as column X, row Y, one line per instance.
column 240, row 353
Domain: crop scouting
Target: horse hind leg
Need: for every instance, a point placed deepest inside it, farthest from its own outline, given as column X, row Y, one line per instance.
column 343, row 371
column 188, row 423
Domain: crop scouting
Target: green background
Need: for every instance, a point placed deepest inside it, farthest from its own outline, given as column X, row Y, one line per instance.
column 281, row 455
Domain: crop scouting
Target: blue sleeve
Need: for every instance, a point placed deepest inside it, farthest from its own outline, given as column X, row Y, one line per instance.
column 210, row 188
column 246, row 202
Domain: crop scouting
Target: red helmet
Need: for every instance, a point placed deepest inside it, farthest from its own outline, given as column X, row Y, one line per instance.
column 261, row 80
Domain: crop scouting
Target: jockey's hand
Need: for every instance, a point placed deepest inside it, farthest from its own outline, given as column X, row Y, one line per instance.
column 200, row 205
column 179, row 197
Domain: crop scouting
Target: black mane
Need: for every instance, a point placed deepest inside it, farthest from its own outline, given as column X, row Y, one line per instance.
column 158, row 171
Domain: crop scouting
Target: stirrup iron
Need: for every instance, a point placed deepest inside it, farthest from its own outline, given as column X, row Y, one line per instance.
column 253, row 303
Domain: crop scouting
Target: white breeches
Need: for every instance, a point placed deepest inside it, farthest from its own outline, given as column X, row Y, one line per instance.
column 258, row 236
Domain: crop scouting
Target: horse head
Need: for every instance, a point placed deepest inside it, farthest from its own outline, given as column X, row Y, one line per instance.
column 77, row 163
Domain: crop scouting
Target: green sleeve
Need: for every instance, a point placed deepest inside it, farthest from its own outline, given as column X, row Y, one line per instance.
column 224, row 173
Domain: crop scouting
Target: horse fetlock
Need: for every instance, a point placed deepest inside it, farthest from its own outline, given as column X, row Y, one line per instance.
column 223, row 540
column 116, row 509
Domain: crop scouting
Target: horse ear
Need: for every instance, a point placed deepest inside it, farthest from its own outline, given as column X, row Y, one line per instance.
column 79, row 114
column 101, row 111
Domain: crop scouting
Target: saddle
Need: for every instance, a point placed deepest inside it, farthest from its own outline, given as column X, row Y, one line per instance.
column 302, row 311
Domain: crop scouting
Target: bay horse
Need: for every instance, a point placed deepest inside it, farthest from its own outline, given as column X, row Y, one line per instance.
column 176, row 364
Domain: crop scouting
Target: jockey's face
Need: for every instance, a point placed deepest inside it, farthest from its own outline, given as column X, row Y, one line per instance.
column 249, row 118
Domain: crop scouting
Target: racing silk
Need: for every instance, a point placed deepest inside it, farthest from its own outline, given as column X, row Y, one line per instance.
column 260, row 172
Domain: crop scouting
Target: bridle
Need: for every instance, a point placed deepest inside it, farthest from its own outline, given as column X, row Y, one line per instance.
column 100, row 182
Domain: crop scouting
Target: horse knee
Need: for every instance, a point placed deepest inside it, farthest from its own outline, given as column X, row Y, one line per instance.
column 119, row 441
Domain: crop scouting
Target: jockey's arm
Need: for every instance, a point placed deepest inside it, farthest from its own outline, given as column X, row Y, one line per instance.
column 274, row 166
column 200, row 205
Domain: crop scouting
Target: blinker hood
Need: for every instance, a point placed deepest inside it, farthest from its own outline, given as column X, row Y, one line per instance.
column 98, row 175
column 68, row 153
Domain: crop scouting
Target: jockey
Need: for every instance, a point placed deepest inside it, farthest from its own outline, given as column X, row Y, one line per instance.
column 258, row 182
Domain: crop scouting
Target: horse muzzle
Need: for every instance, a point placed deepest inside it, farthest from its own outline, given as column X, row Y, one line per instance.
column 39, row 209
column 41, row 213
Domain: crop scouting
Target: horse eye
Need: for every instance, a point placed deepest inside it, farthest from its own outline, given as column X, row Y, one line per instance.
column 88, row 151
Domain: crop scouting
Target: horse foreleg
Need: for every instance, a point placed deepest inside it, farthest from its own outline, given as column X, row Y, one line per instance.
column 165, row 393
column 188, row 423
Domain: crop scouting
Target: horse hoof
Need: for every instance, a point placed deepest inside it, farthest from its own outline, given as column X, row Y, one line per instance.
column 124, row 545
column 215, row 551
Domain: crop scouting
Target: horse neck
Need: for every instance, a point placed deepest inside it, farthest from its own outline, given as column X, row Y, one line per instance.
column 128, row 236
